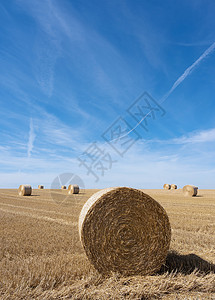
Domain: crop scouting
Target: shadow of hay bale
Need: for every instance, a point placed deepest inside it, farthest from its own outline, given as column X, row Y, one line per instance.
column 186, row 264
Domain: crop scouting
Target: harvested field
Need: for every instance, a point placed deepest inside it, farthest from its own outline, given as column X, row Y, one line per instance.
column 41, row 256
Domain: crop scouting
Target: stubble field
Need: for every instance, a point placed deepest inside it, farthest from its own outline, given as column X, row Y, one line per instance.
column 41, row 256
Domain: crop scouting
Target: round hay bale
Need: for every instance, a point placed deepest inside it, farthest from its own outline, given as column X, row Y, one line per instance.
column 73, row 189
column 63, row 187
column 174, row 187
column 41, row 187
column 25, row 190
column 190, row 190
column 124, row 230
column 167, row 186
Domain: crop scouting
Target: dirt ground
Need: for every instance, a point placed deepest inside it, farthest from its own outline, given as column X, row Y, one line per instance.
column 41, row 256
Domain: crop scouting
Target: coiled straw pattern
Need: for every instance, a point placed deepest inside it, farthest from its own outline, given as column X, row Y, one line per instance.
column 73, row 189
column 167, row 186
column 190, row 190
column 124, row 230
column 174, row 187
column 25, row 190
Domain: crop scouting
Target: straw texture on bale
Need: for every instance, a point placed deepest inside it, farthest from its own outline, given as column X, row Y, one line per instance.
column 41, row 187
column 174, row 187
column 63, row 187
column 73, row 189
column 25, row 190
column 190, row 190
column 124, row 230
column 167, row 186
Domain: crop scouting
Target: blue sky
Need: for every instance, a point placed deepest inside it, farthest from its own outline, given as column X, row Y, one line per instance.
column 70, row 69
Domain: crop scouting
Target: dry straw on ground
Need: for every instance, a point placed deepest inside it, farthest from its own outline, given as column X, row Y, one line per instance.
column 25, row 190
column 167, row 186
column 190, row 190
column 41, row 187
column 124, row 230
column 63, row 187
column 174, row 187
column 41, row 256
column 73, row 189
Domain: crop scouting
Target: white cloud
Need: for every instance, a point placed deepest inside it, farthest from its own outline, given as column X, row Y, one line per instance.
column 202, row 136
column 141, row 167
column 47, row 43
column 195, row 137
column 31, row 138
column 54, row 132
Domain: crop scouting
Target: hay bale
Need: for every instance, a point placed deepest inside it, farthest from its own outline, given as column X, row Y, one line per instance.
column 63, row 187
column 25, row 190
column 174, row 187
column 41, row 187
column 190, row 190
column 167, row 186
column 73, row 189
column 124, row 230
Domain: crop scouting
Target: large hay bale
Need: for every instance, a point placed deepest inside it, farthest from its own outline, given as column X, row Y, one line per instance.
column 63, row 187
column 73, row 189
column 124, row 230
column 41, row 187
column 167, row 186
column 25, row 190
column 190, row 190
column 174, row 187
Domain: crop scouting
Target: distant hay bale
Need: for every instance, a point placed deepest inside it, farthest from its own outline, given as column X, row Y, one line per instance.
column 174, row 187
column 190, row 190
column 25, row 190
column 63, row 187
column 167, row 186
column 73, row 189
column 41, row 187
column 124, row 230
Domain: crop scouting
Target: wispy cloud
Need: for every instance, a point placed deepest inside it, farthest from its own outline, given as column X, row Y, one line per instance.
column 194, row 44
column 195, row 137
column 169, row 163
column 45, row 67
column 202, row 136
column 31, row 138
column 83, row 46
column 56, row 132
column 47, row 43
column 97, row 52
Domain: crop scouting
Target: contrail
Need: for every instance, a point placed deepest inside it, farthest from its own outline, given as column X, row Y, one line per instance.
column 31, row 138
column 186, row 73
